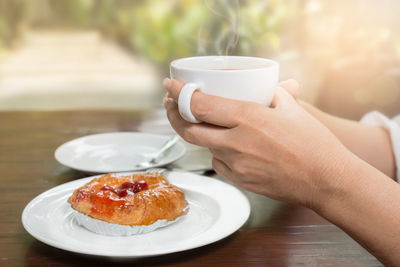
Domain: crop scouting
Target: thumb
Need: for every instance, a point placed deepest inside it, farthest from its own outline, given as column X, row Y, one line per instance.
column 292, row 86
column 282, row 98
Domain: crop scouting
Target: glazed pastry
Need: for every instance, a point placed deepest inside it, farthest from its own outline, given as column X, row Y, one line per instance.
column 142, row 199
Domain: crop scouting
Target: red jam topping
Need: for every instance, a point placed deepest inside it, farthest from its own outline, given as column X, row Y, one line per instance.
column 139, row 186
column 127, row 187
column 122, row 193
column 108, row 188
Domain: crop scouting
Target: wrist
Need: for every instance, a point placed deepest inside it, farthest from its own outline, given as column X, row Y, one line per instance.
column 337, row 182
column 364, row 203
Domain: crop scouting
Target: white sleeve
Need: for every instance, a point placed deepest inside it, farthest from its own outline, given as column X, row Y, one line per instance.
column 393, row 126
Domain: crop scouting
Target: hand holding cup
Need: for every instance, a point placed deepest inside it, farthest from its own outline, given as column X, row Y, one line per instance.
column 280, row 151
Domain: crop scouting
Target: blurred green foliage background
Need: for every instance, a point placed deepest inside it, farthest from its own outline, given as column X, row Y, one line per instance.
column 156, row 29
column 345, row 53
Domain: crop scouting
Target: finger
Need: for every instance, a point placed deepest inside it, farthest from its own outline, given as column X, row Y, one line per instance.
column 292, row 86
column 221, row 154
column 217, row 110
column 221, row 168
column 212, row 109
column 282, row 98
column 165, row 99
column 173, row 88
column 203, row 134
column 237, row 162
column 225, row 171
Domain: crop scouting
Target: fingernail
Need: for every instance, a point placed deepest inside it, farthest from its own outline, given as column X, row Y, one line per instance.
column 282, row 82
column 290, row 81
column 165, row 99
column 168, row 102
column 166, row 83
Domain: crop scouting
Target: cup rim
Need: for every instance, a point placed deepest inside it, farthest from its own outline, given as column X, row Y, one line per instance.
column 271, row 64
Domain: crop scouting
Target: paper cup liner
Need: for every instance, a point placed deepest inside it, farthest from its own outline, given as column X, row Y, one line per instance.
column 112, row 229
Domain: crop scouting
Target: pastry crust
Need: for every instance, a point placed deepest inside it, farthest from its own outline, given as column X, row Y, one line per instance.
column 102, row 199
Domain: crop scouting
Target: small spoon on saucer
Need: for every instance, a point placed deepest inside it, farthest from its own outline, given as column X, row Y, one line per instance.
column 155, row 157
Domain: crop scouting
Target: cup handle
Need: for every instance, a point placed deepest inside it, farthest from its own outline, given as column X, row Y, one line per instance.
column 184, row 99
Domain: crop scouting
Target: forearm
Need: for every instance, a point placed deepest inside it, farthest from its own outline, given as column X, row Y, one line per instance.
column 365, row 205
column 370, row 143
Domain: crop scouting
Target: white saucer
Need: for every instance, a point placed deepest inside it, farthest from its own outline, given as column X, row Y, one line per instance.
column 216, row 210
column 114, row 152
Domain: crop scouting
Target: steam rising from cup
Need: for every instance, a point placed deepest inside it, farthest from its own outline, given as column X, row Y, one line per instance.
column 225, row 36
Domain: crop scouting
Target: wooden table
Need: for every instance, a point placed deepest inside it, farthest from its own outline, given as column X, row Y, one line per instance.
column 277, row 234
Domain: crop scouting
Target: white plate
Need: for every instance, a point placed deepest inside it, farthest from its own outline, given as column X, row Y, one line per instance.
column 216, row 210
column 114, row 152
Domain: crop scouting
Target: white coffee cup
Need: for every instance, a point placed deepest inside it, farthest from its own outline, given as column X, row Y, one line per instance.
column 241, row 78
